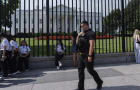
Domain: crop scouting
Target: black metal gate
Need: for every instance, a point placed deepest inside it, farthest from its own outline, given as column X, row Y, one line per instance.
column 42, row 22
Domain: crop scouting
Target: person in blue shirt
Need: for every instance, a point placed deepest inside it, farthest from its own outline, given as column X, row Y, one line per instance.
column 24, row 54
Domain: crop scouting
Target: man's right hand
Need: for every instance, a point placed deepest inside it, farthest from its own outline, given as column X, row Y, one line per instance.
column 80, row 33
column 78, row 37
column 3, row 58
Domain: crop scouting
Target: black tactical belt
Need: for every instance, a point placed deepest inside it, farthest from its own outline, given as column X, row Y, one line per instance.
column 80, row 53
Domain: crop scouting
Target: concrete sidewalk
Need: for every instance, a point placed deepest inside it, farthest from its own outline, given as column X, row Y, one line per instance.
column 116, row 77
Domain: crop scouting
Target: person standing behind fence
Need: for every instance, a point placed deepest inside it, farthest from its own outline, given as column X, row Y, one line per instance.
column 74, row 51
column 14, row 54
column 136, row 38
column 59, row 53
column 24, row 54
column 5, row 55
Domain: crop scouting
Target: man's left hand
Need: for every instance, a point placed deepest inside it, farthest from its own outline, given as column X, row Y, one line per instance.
column 89, row 59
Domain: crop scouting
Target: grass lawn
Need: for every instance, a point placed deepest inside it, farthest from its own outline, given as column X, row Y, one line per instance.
column 39, row 47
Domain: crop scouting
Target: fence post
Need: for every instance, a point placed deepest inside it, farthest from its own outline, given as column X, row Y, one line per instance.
column 123, row 26
column 48, row 47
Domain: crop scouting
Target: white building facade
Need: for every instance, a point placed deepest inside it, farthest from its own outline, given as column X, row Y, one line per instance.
column 64, row 20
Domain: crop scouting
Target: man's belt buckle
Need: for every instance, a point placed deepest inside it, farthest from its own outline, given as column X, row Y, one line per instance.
column 81, row 53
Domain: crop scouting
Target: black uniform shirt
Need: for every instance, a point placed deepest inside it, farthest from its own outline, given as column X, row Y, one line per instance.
column 84, row 40
column 91, row 35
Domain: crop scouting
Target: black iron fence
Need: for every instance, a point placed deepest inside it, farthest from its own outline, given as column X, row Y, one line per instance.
column 42, row 22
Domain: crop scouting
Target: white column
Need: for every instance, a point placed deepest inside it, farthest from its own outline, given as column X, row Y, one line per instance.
column 66, row 23
column 55, row 24
column 74, row 23
column 78, row 25
column 71, row 27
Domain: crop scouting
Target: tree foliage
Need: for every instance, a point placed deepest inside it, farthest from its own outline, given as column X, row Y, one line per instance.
column 7, row 8
column 112, row 21
column 131, row 18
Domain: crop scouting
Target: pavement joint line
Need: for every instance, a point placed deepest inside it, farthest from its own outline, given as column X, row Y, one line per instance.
column 132, row 77
column 51, row 72
column 60, row 71
column 61, row 82
column 32, row 86
column 75, row 69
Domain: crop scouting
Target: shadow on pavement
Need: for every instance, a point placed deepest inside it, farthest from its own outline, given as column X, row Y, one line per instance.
column 9, row 83
column 22, row 79
column 120, row 88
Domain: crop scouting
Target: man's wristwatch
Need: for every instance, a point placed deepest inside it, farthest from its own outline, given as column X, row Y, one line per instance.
column 89, row 55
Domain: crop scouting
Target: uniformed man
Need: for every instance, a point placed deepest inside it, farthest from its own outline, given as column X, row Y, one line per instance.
column 14, row 52
column 85, row 43
column 5, row 55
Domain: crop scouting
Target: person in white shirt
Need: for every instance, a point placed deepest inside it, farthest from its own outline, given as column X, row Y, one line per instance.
column 59, row 54
column 10, row 54
column 4, row 55
column 24, row 54
column 14, row 53
column 136, row 38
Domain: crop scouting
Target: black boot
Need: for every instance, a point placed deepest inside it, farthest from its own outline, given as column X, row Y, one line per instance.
column 99, row 86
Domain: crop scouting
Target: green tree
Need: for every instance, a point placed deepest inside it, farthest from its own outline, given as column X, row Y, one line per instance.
column 112, row 21
column 7, row 8
column 132, row 15
column 131, row 18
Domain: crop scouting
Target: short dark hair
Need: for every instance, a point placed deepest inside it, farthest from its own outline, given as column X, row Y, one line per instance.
column 22, row 42
column 85, row 22
column 3, row 35
column 60, row 40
